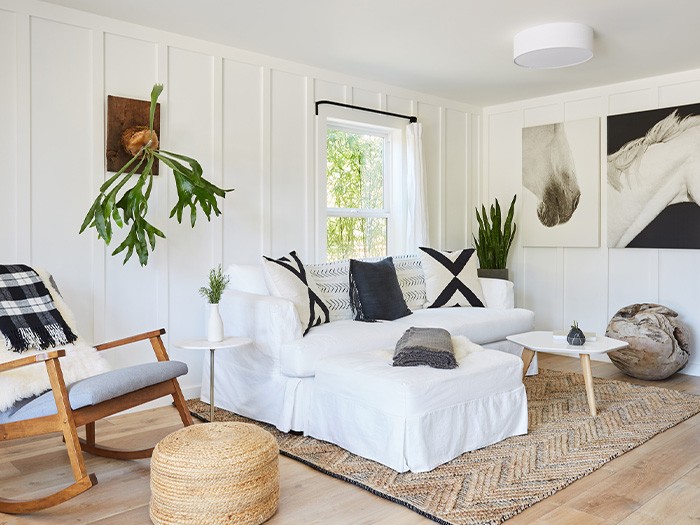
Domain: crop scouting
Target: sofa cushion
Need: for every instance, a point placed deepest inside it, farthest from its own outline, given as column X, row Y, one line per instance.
column 375, row 293
column 451, row 278
column 417, row 418
column 299, row 358
column 286, row 277
column 480, row 325
column 99, row 388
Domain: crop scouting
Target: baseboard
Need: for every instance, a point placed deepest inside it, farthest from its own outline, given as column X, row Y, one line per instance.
column 692, row 369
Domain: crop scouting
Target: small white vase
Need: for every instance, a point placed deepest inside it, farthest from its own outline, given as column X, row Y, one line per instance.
column 215, row 326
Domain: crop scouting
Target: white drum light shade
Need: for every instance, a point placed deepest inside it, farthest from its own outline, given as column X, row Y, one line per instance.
column 555, row 45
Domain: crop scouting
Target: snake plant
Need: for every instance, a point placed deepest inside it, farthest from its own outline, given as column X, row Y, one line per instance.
column 131, row 205
column 494, row 242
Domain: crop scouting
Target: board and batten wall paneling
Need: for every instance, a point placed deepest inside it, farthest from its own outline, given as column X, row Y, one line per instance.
column 501, row 165
column 60, row 171
column 400, row 105
column 191, row 131
column 430, row 117
column 289, row 206
column 9, row 203
column 324, row 90
column 678, row 287
column 455, row 193
column 366, row 98
column 242, row 163
column 131, row 291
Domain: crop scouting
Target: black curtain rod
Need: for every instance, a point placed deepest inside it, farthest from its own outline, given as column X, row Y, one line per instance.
column 410, row 118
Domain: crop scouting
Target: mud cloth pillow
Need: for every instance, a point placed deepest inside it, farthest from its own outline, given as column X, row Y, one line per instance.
column 286, row 277
column 375, row 293
column 451, row 278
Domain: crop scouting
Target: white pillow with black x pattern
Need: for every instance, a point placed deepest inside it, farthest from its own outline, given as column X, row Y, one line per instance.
column 451, row 278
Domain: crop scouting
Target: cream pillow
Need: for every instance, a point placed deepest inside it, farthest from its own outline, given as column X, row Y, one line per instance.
column 451, row 278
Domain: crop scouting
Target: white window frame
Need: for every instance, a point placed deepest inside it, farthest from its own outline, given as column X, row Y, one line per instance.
column 392, row 129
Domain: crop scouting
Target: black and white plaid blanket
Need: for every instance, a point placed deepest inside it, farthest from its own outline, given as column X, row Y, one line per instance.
column 28, row 316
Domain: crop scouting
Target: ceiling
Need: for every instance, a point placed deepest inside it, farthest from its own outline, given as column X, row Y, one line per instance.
column 457, row 49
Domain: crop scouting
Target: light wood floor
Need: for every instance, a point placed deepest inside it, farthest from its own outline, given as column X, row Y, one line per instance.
column 656, row 483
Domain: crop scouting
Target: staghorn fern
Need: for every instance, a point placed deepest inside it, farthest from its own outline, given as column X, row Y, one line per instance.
column 193, row 191
column 494, row 242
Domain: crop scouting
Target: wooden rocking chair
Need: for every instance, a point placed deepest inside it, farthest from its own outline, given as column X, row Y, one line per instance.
column 64, row 409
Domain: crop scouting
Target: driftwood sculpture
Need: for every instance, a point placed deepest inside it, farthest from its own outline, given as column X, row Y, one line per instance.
column 658, row 343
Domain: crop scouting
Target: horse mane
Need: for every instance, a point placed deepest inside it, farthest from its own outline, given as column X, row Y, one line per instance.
column 630, row 155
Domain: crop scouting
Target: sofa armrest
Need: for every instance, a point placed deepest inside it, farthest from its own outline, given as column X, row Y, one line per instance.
column 269, row 321
column 498, row 293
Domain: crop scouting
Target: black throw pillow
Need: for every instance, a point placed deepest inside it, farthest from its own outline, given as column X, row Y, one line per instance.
column 375, row 292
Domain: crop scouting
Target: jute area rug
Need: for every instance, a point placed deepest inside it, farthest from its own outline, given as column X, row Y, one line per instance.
column 488, row 486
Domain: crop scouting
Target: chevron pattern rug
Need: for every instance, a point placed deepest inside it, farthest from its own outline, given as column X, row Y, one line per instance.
column 488, row 486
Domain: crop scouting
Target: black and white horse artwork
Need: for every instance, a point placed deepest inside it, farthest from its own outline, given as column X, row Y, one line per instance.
column 549, row 173
column 561, row 184
column 654, row 181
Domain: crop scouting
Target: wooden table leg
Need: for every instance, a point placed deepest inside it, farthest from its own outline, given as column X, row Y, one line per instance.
column 588, row 379
column 527, row 357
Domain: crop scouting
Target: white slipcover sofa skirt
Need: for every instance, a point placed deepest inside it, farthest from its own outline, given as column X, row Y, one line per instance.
column 416, row 418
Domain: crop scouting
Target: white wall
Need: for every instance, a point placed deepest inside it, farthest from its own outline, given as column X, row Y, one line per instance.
column 249, row 119
column 591, row 284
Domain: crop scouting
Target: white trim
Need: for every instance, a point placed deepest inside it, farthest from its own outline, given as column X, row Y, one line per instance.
column 391, row 129
column 24, row 139
column 217, row 156
column 99, row 109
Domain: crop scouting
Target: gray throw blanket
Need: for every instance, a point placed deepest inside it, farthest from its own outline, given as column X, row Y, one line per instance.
column 425, row 346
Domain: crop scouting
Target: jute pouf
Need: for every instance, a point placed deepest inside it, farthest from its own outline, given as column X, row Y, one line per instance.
column 215, row 473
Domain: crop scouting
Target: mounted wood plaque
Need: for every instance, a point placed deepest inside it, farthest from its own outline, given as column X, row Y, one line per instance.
column 122, row 114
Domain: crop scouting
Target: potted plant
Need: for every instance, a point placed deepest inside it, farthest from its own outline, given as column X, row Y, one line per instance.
column 218, row 281
column 123, row 207
column 494, row 240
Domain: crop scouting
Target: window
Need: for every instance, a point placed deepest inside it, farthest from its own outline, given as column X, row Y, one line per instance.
column 357, row 211
column 359, row 173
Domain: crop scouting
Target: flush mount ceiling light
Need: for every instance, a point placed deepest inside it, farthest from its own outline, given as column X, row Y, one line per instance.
column 555, row 45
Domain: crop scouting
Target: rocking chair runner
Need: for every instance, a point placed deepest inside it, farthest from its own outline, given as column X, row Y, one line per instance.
column 65, row 409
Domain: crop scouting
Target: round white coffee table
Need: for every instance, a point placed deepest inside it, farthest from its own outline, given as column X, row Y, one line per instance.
column 203, row 344
column 533, row 342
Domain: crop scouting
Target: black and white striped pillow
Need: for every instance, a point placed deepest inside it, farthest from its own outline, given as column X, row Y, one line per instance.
column 451, row 278
column 286, row 277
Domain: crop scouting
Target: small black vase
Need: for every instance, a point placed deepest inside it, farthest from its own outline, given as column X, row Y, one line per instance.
column 575, row 337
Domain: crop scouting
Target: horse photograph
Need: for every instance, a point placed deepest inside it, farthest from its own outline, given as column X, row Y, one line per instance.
column 654, row 178
column 561, row 184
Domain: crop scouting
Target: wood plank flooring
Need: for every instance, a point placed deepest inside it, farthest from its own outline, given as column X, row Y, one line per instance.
column 656, row 483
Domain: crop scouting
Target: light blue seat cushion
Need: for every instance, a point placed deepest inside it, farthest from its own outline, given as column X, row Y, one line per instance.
column 96, row 389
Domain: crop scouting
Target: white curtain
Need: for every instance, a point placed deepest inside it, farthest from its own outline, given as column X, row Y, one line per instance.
column 417, row 210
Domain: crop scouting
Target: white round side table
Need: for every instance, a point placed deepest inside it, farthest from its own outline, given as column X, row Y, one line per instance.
column 203, row 344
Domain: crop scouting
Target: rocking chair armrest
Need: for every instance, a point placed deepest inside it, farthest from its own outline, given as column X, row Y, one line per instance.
column 153, row 337
column 30, row 360
column 128, row 340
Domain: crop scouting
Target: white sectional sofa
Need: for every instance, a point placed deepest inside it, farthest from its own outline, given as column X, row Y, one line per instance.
column 272, row 380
